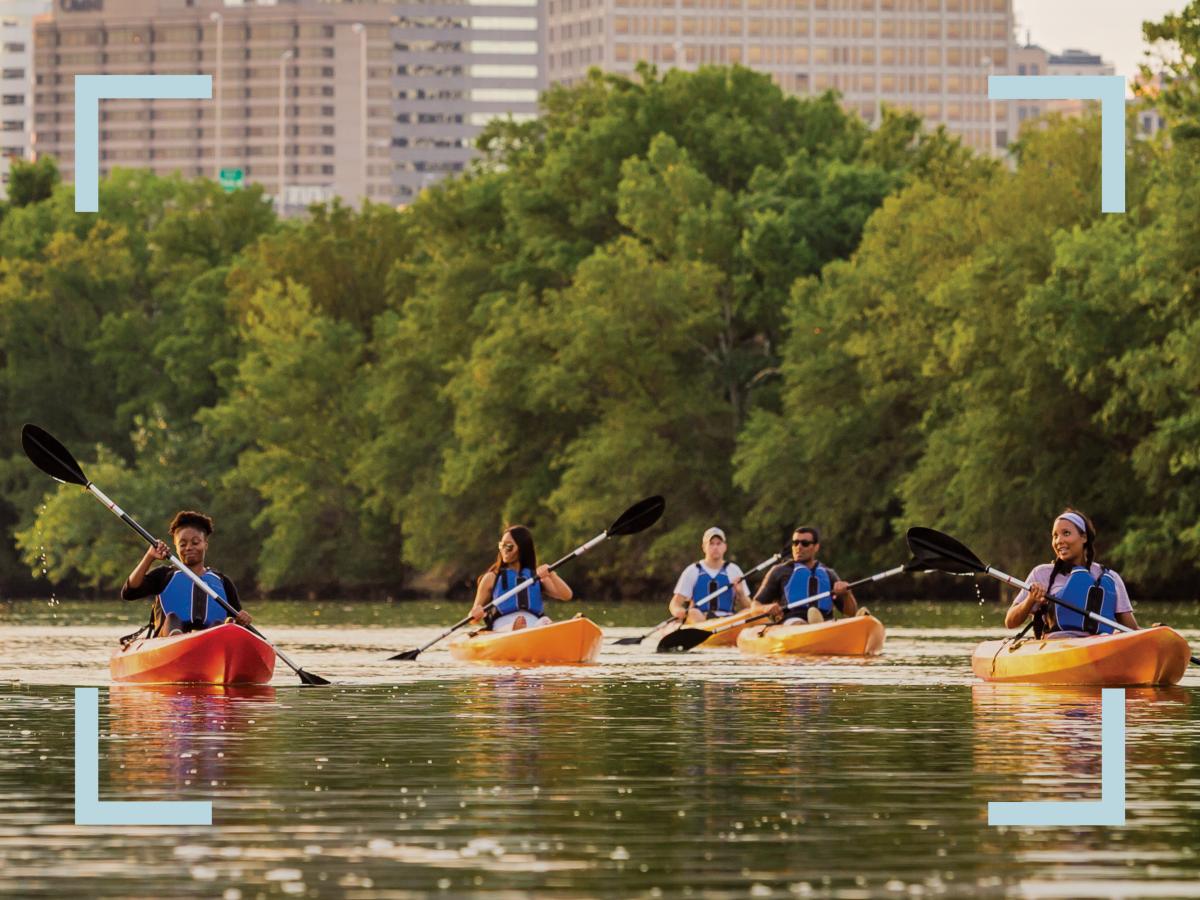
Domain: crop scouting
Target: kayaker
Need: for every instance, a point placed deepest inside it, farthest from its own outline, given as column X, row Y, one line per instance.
column 1073, row 576
column 515, row 562
column 805, row 576
column 700, row 579
column 180, row 605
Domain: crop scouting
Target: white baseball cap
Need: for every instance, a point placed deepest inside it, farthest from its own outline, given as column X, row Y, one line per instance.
column 711, row 533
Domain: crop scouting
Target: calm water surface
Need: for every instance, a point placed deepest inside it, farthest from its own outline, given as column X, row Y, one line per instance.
column 702, row 775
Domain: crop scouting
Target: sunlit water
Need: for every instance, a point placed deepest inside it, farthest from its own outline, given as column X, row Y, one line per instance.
column 707, row 774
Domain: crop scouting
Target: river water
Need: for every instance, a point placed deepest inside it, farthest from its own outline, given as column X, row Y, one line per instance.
column 699, row 775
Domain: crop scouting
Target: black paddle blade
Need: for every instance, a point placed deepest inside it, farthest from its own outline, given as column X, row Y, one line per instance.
column 45, row 452
column 934, row 550
column 628, row 641
column 682, row 640
column 310, row 678
column 638, row 517
column 407, row 654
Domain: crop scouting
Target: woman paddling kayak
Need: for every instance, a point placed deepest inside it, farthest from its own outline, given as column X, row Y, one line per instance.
column 179, row 605
column 1076, row 577
column 515, row 562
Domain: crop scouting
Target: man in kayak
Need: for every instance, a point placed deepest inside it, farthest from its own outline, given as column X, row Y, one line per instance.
column 700, row 579
column 1075, row 577
column 515, row 562
column 180, row 605
column 804, row 577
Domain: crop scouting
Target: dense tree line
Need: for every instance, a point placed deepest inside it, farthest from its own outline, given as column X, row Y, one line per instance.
column 687, row 284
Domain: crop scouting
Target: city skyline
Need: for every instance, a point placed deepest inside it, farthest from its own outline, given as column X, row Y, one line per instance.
column 1110, row 28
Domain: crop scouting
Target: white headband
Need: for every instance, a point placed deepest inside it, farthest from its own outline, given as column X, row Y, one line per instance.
column 1076, row 520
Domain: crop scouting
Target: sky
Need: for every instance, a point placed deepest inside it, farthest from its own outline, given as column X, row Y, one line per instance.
column 1112, row 28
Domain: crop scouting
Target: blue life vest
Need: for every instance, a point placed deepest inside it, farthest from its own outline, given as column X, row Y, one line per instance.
column 720, row 605
column 1098, row 595
column 806, row 582
column 184, row 598
column 528, row 600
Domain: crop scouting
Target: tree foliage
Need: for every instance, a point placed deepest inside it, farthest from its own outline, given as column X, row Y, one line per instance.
column 687, row 284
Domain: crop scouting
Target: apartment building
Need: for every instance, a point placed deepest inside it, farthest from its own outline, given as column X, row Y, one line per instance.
column 457, row 66
column 311, row 99
column 931, row 56
column 16, row 81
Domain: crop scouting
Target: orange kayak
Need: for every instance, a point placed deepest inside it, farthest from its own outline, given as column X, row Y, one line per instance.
column 223, row 654
column 725, row 638
column 1149, row 656
column 573, row 641
column 855, row 636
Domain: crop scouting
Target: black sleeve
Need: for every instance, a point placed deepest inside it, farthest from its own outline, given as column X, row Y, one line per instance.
column 231, row 593
column 152, row 584
column 771, row 590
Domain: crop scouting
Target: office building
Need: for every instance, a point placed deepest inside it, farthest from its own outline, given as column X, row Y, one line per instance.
column 311, row 99
column 931, row 56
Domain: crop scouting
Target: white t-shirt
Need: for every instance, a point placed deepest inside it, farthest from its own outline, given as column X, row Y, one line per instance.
column 1041, row 575
column 687, row 581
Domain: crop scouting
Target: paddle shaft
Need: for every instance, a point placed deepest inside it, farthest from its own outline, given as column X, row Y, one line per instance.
column 1087, row 613
column 512, row 592
column 1017, row 582
column 704, row 601
column 878, row 576
column 179, row 564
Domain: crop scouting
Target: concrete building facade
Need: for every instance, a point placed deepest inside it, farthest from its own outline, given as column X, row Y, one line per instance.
column 311, row 99
column 931, row 56
column 16, row 81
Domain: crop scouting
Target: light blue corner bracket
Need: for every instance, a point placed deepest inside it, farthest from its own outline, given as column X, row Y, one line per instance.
column 90, row 809
column 90, row 90
column 1110, row 808
column 1109, row 90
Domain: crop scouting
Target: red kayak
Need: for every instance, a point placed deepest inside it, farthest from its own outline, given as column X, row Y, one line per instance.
column 223, row 654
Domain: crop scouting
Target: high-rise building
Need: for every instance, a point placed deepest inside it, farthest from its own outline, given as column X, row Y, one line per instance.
column 311, row 99
column 16, row 81
column 457, row 66
column 930, row 56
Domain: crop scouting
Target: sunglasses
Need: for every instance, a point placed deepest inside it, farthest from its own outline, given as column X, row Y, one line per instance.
column 506, row 547
column 800, row 542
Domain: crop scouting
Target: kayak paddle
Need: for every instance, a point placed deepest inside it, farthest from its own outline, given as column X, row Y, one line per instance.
column 942, row 552
column 629, row 641
column 686, row 638
column 637, row 518
column 45, row 452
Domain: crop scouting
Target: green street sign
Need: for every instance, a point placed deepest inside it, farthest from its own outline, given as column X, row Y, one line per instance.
column 232, row 179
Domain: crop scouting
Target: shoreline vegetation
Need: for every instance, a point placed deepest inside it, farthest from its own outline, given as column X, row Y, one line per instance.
column 685, row 284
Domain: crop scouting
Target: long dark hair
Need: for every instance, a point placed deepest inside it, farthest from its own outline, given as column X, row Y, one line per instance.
column 1089, row 546
column 526, row 554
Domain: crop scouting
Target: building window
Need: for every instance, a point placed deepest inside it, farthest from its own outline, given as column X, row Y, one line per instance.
column 14, row 100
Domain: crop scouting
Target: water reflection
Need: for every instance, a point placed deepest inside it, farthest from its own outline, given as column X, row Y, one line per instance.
column 1045, row 740
column 711, row 775
column 177, row 736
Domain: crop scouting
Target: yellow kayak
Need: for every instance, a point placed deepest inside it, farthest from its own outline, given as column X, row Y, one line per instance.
column 1153, row 656
column 573, row 641
column 855, row 636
